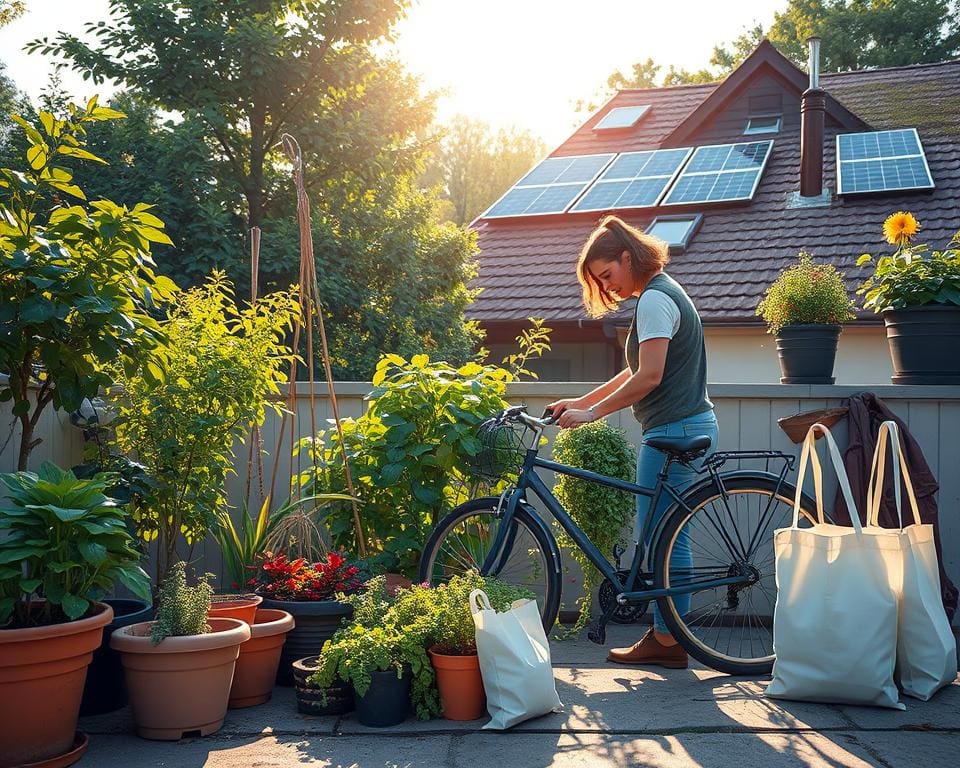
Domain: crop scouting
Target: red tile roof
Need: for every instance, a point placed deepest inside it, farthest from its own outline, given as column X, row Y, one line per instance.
column 527, row 264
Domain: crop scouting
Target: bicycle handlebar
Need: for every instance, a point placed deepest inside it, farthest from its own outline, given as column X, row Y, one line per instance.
column 519, row 413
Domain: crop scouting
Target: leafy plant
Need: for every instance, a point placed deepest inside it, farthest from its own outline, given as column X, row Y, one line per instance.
column 278, row 578
column 227, row 370
column 601, row 512
column 806, row 293
column 64, row 542
column 911, row 277
column 77, row 281
column 531, row 343
column 183, row 608
column 408, row 454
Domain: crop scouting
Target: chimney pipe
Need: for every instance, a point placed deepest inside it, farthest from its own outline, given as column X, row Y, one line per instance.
column 813, row 105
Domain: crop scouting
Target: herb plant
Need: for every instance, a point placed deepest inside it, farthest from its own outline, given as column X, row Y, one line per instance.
column 63, row 544
column 183, row 608
column 804, row 293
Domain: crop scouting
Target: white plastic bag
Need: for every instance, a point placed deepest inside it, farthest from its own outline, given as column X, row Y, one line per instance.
column 835, row 621
column 514, row 662
column 926, row 649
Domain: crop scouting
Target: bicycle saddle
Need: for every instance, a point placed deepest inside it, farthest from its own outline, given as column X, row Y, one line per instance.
column 681, row 447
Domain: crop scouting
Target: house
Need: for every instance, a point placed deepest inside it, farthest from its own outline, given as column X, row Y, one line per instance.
column 735, row 215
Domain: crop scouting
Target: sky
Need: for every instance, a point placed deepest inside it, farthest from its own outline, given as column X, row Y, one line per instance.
column 511, row 63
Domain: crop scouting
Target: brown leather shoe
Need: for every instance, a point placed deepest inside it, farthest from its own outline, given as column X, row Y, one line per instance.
column 648, row 651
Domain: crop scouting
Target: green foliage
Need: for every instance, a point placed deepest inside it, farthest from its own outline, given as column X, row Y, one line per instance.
column 912, row 277
column 62, row 540
column 183, row 609
column 601, row 512
column 227, row 368
column 806, row 293
column 408, row 454
column 393, row 632
column 77, row 281
column 532, row 343
column 10, row 10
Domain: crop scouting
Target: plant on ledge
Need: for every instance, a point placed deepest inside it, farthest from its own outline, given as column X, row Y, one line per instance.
column 806, row 293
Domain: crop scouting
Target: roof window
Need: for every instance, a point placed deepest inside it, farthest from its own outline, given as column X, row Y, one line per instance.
column 762, row 124
column 619, row 118
column 676, row 231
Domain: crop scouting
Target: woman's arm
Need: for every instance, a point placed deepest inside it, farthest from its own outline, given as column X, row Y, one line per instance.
column 592, row 397
column 631, row 388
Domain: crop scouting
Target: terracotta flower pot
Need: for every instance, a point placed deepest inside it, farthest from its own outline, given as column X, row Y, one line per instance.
column 256, row 669
column 243, row 607
column 461, row 688
column 181, row 686
column 316, row 621
column 42, row 671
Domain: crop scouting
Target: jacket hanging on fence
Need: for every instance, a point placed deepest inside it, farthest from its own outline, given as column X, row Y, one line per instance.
column 866, row 413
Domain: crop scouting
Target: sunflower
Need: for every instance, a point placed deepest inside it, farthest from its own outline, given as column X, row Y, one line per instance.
column 899, row 228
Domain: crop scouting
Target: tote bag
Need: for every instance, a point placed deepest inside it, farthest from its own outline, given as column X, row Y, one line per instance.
column 514, row 662
column 926, row 649
column 835, row 620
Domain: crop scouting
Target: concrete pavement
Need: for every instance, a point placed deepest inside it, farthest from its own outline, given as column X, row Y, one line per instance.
column 614, row 716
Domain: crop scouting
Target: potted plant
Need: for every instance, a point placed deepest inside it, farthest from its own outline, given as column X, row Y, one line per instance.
column 918, row 294
column 63, row 544
column 806, row 307
column 600, row 511
column 306, row 591
column 452, row 645
column 259, row 659
column 179, row 668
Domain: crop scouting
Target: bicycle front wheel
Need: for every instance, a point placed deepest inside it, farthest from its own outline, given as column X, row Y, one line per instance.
column 463, row 539
column 717, row 535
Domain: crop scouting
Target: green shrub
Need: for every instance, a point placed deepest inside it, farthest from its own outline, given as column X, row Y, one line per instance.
column 806, row 293
column 183, row 609
column 600, row 511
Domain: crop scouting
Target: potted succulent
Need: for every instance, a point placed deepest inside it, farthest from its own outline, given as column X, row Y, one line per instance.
column 179, row 668
column 306, row 591
column 805, row 308
column 63, row 545
column 918, row 294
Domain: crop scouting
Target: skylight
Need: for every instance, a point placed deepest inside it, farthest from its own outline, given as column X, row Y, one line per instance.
column 550, row 187
column 621, row 117
column 633, row 180
column 881, row 161
column 720, row 173
column 676, row 231
column 762, row 124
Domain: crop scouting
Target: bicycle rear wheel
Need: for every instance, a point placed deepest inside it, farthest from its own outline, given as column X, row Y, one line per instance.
column 727, row 627
column 462, row 540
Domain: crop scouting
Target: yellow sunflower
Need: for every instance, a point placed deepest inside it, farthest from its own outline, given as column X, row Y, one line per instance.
column 900, row 227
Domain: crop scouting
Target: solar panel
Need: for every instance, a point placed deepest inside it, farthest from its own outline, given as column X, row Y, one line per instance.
column 881, row 161
column 621, row 117
column 550, row 187
column 634, row 180
column 720, row 173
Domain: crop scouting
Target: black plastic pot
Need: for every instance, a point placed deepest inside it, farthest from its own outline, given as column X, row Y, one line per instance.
column 387, row 700
column 310, row 699
column 807, row 353
column 105, row 690
column 924, row 344
column 315, row 624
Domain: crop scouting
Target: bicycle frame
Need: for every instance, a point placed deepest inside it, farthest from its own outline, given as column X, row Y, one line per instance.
column 627, row 592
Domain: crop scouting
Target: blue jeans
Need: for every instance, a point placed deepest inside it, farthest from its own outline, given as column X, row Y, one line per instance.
column 649, row 463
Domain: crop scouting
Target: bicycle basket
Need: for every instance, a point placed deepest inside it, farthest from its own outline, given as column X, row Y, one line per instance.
column 502, row 447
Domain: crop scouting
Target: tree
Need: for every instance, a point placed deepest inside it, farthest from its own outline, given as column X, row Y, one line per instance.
column 473, row 166
column 11, row 9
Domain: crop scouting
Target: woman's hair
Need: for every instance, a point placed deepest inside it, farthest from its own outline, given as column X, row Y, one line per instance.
column 613, row 236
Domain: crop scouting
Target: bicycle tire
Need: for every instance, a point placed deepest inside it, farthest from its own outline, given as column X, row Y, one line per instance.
column 483, row 512
column 717, row 553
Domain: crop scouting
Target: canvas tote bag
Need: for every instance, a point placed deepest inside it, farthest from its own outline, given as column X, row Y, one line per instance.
column 926, row 649
column 835, row 620
column 514, row 662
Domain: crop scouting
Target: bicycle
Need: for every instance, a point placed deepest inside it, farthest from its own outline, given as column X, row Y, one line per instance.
column 728, row 518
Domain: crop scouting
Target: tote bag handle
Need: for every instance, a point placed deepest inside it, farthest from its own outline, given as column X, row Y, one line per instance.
column 479, row 601
column 875, row 489
column 810, row 452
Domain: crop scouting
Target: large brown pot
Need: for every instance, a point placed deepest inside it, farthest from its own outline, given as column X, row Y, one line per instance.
column 256, row 669
column 42, row 671
column 243, row 607
column 461, row 688
column 181, row 686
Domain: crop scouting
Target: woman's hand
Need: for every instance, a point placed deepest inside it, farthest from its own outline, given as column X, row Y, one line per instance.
column 557, row 408
column 574, row 417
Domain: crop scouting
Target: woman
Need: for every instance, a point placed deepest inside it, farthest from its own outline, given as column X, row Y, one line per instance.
column 665, row 383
